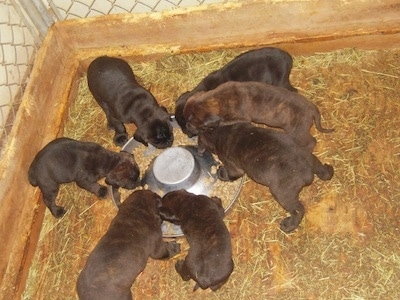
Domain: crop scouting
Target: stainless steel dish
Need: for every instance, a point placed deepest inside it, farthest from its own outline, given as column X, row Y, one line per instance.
column 181, row 168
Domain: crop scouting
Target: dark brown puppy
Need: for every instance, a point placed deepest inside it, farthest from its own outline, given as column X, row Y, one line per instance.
column 65, row 160
column 121, row 254
column 209, row 261
column 124, row 100
column 270, row 158
column 269, row 65
column 251, row 101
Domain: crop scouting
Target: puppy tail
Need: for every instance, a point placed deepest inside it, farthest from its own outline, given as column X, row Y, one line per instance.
column 31, row 175
column 317, row 121
column 196, row 287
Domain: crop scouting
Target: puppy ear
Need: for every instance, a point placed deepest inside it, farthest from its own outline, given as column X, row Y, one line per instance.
column 218, row 201
column 167, row 215
column 212, row 121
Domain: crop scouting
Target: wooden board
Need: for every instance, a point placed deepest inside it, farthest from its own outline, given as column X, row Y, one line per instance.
column 300, row 27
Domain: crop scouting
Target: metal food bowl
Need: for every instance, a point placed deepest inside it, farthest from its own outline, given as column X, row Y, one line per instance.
column 180, row 167
column 175, row 168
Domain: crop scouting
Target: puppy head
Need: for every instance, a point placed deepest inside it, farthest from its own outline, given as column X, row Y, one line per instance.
column 153, row 201
column 145, row 201
column 158, row 132
column 201, row 115
column 179, row 111
column 126, row 173
column 171, row 201
column 150, row 199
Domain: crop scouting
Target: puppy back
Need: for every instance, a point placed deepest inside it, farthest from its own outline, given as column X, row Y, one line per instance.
column 32, row 168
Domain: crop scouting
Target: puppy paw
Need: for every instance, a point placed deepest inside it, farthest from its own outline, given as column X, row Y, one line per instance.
column 173, row 248
column 103, row 191
column 201, row 150
column 223, row 174
column 180, row 268
column 287, row 225
column 58, row 211
column 116, row 196
column 120, row 139
column 328, row 171
column 110, row 126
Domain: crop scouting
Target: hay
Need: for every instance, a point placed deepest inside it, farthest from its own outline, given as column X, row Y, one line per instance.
column 347, row 245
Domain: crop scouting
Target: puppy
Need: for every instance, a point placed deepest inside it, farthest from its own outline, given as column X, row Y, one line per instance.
column 124, row 100
column 209, row 261
column 65, row 160
column 268, row 157
column 121, row 255
column 257, row 102
column 269, row 65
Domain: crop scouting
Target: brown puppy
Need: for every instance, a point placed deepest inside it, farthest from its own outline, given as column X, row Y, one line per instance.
column 65, row 160
column 269, row 65
column 121, row 255
column 124, row 100
column 257, row 102
column 209, row 261
column 268, row 157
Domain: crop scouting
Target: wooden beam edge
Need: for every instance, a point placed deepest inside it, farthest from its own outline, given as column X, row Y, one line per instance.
column 38, row 119
column 229, row 24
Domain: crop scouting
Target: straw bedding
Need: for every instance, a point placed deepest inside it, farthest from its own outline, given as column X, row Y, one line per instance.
column 347, row 247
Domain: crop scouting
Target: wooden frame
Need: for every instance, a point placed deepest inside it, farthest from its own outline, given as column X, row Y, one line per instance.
column 299, row 27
